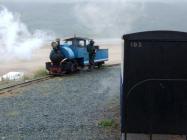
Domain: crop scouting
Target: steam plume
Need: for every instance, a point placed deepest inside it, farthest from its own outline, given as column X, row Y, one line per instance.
column 16, row 42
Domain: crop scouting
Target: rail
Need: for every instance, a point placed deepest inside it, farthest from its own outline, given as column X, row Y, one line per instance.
column 23, row 84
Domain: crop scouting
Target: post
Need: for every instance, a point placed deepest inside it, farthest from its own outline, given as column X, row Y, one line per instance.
column 150, row 136
column 123, row 136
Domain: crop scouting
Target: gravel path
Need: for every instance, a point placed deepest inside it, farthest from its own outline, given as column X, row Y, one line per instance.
column 66, row 108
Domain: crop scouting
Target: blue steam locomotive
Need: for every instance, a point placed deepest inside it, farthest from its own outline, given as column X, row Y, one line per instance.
column 72, row 55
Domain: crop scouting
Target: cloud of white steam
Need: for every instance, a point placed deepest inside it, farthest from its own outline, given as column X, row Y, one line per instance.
column 115, row 18
column 16, row 42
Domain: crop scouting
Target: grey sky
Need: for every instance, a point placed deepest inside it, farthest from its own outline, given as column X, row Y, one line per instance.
column 100, row 18
column 53, row 1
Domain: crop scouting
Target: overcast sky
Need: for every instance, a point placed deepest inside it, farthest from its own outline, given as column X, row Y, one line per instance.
column 166, row 1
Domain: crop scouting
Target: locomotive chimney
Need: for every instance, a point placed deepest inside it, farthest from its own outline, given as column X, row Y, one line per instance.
column 58, row 41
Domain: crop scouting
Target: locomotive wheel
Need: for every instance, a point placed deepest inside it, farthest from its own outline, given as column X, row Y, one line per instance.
column 72, row 67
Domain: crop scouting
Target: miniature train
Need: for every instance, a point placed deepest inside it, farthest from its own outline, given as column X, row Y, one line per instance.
column 72, row 55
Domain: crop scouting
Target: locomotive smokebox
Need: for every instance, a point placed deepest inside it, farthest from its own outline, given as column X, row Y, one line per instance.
column 56, row 56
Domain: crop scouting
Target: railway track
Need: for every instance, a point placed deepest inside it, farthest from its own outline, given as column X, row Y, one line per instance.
column 10, row 88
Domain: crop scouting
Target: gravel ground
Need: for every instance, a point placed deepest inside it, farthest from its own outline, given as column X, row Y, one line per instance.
column 66, row 108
